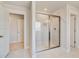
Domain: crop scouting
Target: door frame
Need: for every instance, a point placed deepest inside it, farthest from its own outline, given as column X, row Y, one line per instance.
column 49, row 33
column 19, row 12
column 74, row 30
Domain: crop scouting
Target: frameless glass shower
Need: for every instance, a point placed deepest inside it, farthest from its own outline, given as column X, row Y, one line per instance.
column 47, row 31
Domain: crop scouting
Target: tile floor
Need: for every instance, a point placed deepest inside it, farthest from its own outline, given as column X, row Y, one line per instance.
column 16, row 46
column 53, row 53
column 17, row 51
column 59, row 53
column 21, row 53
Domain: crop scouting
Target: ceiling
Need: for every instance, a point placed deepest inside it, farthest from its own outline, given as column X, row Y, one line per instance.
column 40, row 5
column 51, row 6
column 74, row 3
column 54, row 5
column 18, row 3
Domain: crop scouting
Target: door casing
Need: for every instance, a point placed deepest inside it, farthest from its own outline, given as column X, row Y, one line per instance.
column 74, row 30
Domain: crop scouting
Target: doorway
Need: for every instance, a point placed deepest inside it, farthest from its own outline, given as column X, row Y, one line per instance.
column 47, row 32
column 72, row 31
column 16, row 28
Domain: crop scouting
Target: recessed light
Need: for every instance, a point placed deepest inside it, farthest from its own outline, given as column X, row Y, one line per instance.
column 45, row 9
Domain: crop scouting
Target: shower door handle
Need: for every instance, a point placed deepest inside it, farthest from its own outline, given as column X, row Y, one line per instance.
column 49, row 39
column 54, row 28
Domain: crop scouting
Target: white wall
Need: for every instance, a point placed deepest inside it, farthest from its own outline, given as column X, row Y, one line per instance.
column 4, row 31
column 28, row 27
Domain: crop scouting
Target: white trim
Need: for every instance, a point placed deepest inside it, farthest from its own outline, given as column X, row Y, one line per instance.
column 33, row 29
column 21, row 12
column 18, row 12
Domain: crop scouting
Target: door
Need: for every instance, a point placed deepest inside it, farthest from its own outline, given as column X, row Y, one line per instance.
column 54, row 31
column 47, row 32
column 20, row 30
column 72, row 31
column 4, row 32
column 42, row 32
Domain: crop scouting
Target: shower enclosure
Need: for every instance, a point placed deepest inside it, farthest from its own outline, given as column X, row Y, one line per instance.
column 47, row 31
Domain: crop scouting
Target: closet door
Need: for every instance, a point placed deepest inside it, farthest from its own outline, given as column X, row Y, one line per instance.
column 42, row 34
column 54, row 31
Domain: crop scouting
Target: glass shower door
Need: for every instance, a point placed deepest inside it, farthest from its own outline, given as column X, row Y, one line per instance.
column 47, row 32
column 54, row 32
column 42, row 32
